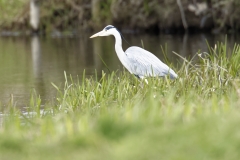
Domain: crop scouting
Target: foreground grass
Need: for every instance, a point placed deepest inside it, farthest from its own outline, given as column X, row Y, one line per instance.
column 119, row 117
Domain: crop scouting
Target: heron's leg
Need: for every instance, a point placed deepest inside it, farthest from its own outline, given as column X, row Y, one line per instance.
column 137, row 76
column 132, row 83
column 141, row 80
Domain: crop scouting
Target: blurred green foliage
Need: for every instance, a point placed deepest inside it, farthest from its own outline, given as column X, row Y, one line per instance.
column 10, row 10
column 213, row 15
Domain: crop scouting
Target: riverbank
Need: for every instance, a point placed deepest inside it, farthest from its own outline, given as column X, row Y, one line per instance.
column 168, row 16
column 118, row 117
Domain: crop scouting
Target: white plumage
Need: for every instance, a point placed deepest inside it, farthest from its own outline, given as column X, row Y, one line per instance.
column 136, row 60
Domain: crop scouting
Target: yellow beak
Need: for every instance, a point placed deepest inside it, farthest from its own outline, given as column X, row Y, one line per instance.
column 98, row 34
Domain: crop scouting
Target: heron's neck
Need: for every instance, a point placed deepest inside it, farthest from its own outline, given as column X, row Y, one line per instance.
column 119, row 50
column 118, row 44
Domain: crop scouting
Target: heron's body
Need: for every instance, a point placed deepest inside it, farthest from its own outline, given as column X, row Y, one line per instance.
column 136, row 60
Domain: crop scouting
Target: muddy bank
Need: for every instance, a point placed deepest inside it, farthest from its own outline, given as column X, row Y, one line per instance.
column 141, row 15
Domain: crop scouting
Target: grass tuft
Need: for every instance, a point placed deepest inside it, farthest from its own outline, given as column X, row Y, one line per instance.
column 117, row 116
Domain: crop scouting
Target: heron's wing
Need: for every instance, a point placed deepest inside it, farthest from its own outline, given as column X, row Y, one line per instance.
column 143, row 63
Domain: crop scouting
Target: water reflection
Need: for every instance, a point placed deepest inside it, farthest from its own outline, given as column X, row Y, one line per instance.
column 97, row 54
column 36, row 56
column 28, row 63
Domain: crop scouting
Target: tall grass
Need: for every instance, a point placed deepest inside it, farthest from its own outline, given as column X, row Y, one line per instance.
column 117, row 116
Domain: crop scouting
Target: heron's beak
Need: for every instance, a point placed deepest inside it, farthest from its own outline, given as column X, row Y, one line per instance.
column 101, row 33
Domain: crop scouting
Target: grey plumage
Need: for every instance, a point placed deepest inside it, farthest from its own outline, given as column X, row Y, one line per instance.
column 144, row 63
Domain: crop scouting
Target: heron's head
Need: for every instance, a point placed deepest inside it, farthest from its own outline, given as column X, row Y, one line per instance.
column 107, row 31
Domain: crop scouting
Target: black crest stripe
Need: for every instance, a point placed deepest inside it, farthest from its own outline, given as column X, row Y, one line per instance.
column 109, row 27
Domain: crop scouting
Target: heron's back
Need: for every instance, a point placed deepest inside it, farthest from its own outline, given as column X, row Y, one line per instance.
column 145, row 64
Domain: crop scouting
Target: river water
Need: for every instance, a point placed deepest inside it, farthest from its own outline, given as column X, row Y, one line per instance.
column 32, row 63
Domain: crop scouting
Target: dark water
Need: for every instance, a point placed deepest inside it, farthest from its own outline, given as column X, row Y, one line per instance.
column 28, row 63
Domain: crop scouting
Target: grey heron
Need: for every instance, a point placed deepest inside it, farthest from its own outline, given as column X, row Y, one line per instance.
column 136, row 60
